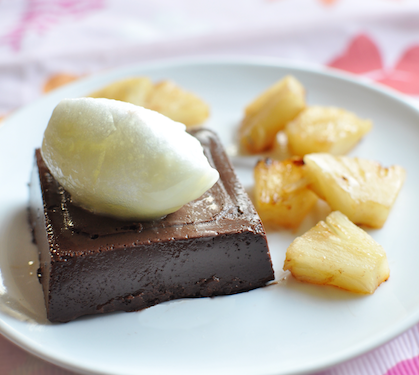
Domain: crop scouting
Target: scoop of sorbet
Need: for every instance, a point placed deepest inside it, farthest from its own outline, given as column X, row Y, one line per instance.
column 122, row 160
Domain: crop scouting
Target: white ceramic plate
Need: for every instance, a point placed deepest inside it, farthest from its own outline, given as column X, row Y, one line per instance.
column 281, row 329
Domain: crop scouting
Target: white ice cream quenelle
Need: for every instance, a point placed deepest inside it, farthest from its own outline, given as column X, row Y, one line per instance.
column 122, row 160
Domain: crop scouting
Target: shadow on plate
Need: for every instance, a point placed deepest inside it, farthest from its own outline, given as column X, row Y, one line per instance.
column 315, row 292
column 20, row 292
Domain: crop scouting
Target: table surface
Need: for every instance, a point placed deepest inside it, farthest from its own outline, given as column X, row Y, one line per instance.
column 45, row 44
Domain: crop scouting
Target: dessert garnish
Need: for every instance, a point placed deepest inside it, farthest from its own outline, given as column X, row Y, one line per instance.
column 269, row 113
column 281, row 192
column 123, row 160
column 362, row 189
column 337, row 252
column 358, row 191
column 165, row 97
column 325, row 129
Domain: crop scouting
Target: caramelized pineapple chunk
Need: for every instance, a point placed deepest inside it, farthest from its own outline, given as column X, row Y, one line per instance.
column 133, row 90
column 281, row 194
column 269, row 113
column 325, row 129
column 164, row 97
column 177, row 104
column 337, row 252
column 361, row 189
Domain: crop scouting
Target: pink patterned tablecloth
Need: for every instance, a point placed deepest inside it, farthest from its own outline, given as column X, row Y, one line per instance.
column 45, row 43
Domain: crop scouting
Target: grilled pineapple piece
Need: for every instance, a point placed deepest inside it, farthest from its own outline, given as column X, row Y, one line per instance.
column 133, row 90
column 281, row 194
column 361, row 189
column 177, row 104
column 269, row 113
column 164, row 97
column 325, row 129
column 337, row 252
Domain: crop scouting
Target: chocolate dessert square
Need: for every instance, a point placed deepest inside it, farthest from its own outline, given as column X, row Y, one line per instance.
column 91, row 264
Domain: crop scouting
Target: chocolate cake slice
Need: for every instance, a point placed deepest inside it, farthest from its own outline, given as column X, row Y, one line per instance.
column 91, row 264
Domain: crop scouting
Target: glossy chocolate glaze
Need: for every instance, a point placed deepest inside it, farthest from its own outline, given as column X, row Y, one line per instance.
column 91, row 264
